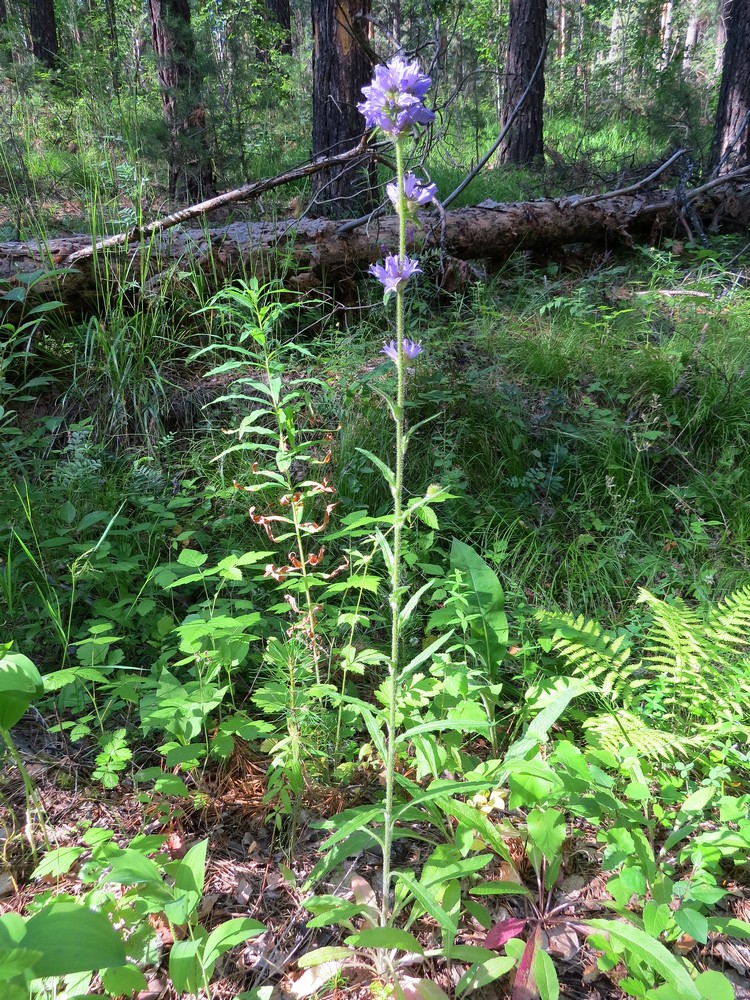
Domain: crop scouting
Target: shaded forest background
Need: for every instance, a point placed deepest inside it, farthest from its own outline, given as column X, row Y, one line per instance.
column 124, row 106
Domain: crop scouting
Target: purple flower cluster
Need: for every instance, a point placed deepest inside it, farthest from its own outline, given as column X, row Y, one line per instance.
column 393, row 273
column 416, row 194
column 394, row 101
column 411, row 350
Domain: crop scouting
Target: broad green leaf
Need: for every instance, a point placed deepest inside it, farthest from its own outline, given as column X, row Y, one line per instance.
column 390, row 938
column 547, row 830
column 12, row 929
column 731, row 926
column 227, row 935
column 651, row 952
column 697, row 802
column 191, row 558
column 189, row 877
column 20, row 685
column 57, row 862
column 713, row 985
column 123, row 981
column 131, row 867
column 656, row 917
column 16, row 961
column 692, row 922
column 71, row 939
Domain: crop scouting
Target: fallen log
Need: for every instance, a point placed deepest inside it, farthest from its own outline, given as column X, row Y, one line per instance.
column 309, row 253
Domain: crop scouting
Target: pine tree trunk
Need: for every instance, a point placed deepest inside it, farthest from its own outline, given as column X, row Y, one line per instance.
column 340, row 69
column 190, row 167
column 731, row 146
column 322, row 254
column 43, row 27
column 526, row 30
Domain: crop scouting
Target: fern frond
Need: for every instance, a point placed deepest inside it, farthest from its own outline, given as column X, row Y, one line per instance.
column 615, row 730
column 592, row 653
column 685, row 661
column 728, row 622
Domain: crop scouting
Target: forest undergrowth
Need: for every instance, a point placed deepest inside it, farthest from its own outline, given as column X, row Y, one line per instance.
column 195, row 559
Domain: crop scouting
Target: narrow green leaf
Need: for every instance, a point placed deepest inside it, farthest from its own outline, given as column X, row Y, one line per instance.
column 545, row 976
column 500, row 888
column 652, row 952
column 390, row 938
column 322, row 955
column 484, row 973
column 378, row 463
column 185, row 966
column 428, row 903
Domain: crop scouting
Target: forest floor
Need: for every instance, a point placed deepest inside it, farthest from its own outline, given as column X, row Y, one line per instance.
column 589, row 421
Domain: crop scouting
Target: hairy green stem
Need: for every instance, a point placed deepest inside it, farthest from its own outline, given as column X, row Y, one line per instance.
column 395, row 597
column 296, row 519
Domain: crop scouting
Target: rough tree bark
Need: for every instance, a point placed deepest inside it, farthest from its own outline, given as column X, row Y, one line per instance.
column 731, row 146
column 190, row 167
column 340, row 69
column 324, row 251
column 526, row 32
column 43, row 29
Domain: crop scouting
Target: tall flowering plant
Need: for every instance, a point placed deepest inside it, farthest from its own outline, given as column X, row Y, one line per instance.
column 394, row 103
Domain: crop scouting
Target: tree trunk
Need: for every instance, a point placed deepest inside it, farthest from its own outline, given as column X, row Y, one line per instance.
column 731, row 146
column 721, row 34
column 526, row 30
column 692, row 36
column 667, row 16
column 321, row 252
column 114, row 43
column 190, row 167
column 43, row 29
column 340, row 69
column 6, row 51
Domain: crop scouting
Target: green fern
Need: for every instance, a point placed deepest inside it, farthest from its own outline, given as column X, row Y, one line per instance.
column 599, row 656
column 692, row 678
column 613, row 730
